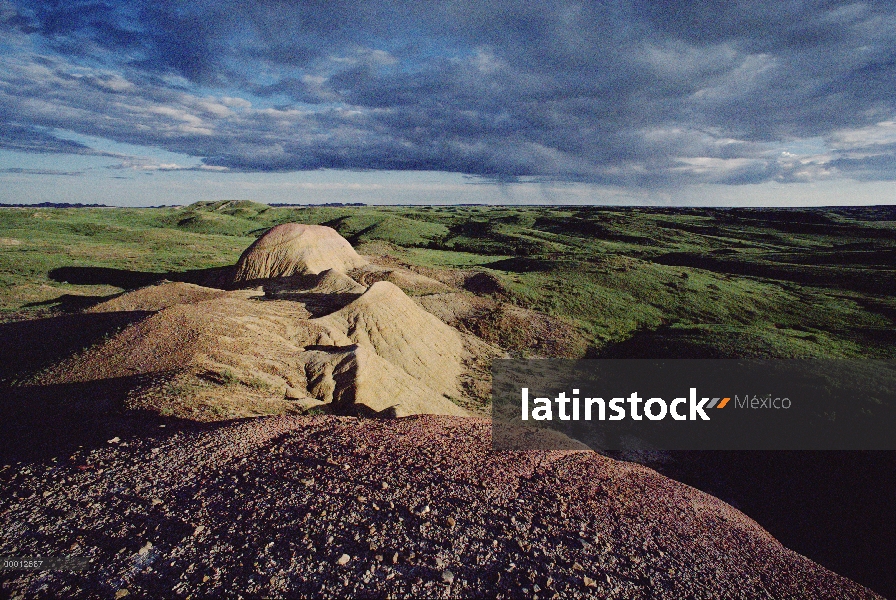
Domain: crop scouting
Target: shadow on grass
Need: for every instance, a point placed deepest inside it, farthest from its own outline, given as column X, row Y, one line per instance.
column 741, row 342
column 523, row 265
column 852, row 276
column 218, row 277
column 69, row 302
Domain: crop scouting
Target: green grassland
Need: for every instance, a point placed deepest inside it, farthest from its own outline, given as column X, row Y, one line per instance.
column 635, row 282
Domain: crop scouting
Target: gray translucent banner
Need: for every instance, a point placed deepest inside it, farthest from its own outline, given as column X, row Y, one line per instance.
column 639, row 404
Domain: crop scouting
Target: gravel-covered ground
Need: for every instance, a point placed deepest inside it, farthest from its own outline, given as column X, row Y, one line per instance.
column 346, row 507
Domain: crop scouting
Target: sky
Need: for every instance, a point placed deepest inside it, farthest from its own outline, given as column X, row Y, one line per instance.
column 640, row 102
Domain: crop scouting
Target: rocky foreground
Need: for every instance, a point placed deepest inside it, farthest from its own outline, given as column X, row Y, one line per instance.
column 340, row 506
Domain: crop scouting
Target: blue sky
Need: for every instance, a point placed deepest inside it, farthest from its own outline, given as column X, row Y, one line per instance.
column 628, row 102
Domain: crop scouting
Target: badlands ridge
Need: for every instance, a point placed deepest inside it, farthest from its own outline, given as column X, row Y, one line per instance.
column 295, row 330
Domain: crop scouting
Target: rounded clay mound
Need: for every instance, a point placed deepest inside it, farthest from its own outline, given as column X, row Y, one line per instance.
column 295, row 248
column 385, row 319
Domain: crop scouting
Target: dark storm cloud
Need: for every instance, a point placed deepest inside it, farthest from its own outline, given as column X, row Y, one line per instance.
column 25, row 138
column 633, row 92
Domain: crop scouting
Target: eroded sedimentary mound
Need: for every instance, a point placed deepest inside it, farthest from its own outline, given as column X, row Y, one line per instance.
column 325, row 283
column 396, row 328
column 357, row 375
column 323, row 328
column 207, row 354
column 295, row 248
column 409, row 281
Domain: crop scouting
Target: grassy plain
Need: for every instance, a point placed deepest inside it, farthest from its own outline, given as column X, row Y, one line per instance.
column 635, row 281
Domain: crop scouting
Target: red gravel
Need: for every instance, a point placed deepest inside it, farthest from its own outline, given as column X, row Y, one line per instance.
column 268, row 507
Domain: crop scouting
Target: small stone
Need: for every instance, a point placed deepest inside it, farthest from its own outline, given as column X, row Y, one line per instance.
column 155, row 450
column 145, row 549
column 384, row 485
column 395, row 558
column 343, row 560
column 378, row 558
column 577, row 567
column 122, row 593
column 115, row 440
column 46, row 494
column 199, row 529
column 204, row 578
column 448, row 577
column 362, row 499
column 156, row 502
column 589, row 582
column 451, row 522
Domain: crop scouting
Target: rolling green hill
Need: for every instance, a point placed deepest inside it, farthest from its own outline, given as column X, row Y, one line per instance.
column 635, row 282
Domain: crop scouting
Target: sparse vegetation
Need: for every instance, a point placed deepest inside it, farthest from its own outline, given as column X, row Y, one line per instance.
column 256, row 383
column 228, row 377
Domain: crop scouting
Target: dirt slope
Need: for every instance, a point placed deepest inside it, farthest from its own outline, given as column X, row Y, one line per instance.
column 357, row 375
column 296, row 248
column 159, row 296
column 206, row 354
column 387, row 320
column 409, row 281
column 346, row 507
column 521, row 331
column 325, row 282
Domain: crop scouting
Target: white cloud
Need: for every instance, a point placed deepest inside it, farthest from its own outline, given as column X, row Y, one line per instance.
column 879, row 134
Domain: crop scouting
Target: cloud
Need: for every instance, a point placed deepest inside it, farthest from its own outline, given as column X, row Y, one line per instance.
column 643, row 93
column 19, row 171
column 29, row 138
